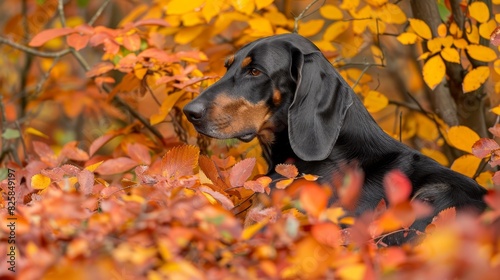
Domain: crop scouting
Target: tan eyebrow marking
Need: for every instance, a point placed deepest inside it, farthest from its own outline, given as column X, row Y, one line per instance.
column 229, row 61
column 246, row 61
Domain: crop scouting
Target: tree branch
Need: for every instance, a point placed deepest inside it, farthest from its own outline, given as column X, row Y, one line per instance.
column 33, row 51
column 98, row 12
column 301, row 16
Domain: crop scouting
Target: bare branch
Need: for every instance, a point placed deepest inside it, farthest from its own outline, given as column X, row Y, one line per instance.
column 33, row 51
column 301, row 16
column 98, row 12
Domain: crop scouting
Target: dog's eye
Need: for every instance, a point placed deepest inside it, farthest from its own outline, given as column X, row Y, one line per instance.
column 254, row 72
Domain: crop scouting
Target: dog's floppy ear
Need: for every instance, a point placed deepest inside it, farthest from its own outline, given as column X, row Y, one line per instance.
column 319, row 106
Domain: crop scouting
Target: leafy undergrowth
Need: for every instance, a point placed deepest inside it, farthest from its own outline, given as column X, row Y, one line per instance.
column 182, row 216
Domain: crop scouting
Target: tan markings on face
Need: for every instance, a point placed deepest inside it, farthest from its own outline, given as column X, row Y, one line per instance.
column 231, row 116
column 246, row 61
column 276, row 97
column 229, row 61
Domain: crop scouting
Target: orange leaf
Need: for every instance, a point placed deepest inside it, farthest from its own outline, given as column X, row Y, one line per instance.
column 445, row 217
column 282, row 184
column 40, row 182
column 77, row 41
column 99, row 69
column 132, row 42
column 139, row 153
column 99, row 142
column 462, row 138
column 466, row 165
column 221, row 198
column 180, row 161
column 241, row 171
column 326, row 234
column 351, row 188
column 311, row 27
column 313, row 198
column 72, row 152
column 287, row 170
column 49, row 34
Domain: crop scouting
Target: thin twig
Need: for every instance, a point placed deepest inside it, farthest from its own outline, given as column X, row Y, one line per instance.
column 301, row 16
column 33, row 51
column 60, row 9
column 98, row 12
column 361, row 75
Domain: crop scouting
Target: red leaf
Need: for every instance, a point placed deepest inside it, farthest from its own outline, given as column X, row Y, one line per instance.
column 45, row 153
column 100, row 69
column 496, row 178
column 180, row 161
column 132, row 42
column 100, row 81
column 351, row 188
column 397, row 187
column 139, row 153
column 241, row 171
column 483, row 147
column 86, row 180
column 99, row 142
column 151, row 21
column 74, row 153
column 159, row 55
column 49, row 34
column 77, row 41
column 492, row 198
column 260, row 185
column 495, row 37
column 208, row 167
column 115, row 166
column 287, row 170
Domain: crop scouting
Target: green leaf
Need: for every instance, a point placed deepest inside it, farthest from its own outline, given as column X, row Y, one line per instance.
column 11, row 134
column 82, row 3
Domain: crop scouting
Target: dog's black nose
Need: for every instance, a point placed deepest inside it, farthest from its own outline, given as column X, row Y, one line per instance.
column 194, row 111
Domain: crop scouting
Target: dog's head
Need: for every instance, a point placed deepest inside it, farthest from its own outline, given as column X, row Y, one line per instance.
column 276, row 83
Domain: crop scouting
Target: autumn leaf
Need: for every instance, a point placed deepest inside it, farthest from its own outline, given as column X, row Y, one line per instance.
column 434, row 71
column 495, row 37
column 116, row 165
column 139, row 153
column 77, row 41
column 99, row 69
column 407, row 38
column 221, row 198
column 34, row 131
column 99, row 142
column 331, row 12
column 45, row 153
column 180, row 161
column 71, row 151
column 450, row 55
column 311, row 27
column 397, row 187
column 334, row 30
column 481, row 53
column 326, row 233
column 287, row 170
column 421, row 28
column 241, row 171
column 475, row 78
column 40, row 182
column 261, row 27
column 462, row 138
column 375, row 101
column 466, row 165
column 179, row 7
column 484, row 146
column 166, row 107
column 479, row 11
column 49, row 34
column 282, row 184
column 313, row 198
column 260, row 185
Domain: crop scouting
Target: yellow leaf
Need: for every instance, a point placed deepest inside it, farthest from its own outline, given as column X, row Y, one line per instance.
column 450, row 55
column 134, row 198
column 261, row 27
column 460, row 43
column 311, row 27
column 407, row 38
column 485, row 179
column 446, row 41
column 211, row 9
column 375, row 101
column 349, row 4
column 392, row 13
column 352, row 271
column 434, row 45
column 496, row 66
column 192, row 19
column 466, row 165
column 179, row 7
column 244, row 6
column 331, row 12
column 251, row 230
column 376, row 2
column 481, row 53
column 475, row 78
column 442, row 30
column 33, row 131
column 434, row 71
column 377, row 54
column 485, row 29
column 424, row 56
column 479, row 11
column 282, row 184
column 496, row 110
column 462, row 138
column 310, row 177
column 263, row 3
column 40, row 182
column 473, row 34
column 94, row 166
column 421, row 28
column 188, row 34
column 334, row 30
column 435, row 155
column 140, row 72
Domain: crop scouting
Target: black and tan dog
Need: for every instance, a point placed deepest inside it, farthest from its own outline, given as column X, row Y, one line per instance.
column 282, row 90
